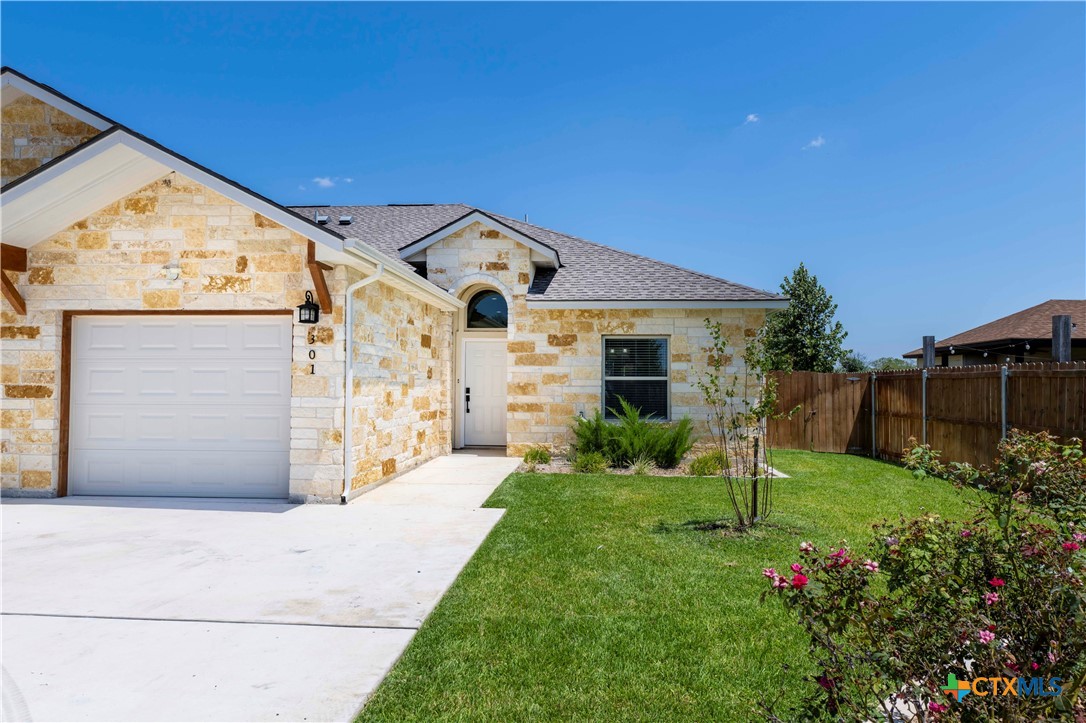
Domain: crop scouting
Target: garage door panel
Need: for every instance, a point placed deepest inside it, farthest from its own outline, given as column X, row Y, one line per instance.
column 200, row 474
column 181, row 338
column 184, row 406
column 210, row 336
column 221, row 427
column 266, row 337
column 159, row 336
column 225, row 381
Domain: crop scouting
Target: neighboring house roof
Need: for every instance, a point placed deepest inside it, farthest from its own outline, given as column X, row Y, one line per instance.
column 1034, row 323
column 589, row 272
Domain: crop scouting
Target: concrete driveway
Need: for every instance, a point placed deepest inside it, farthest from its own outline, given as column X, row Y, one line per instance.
column 139, row 609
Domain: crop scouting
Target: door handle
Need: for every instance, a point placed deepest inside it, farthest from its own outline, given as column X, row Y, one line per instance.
column 467, row 400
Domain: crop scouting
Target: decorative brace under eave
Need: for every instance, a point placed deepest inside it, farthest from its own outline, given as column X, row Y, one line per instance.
column 12, row 258
column 316, row 270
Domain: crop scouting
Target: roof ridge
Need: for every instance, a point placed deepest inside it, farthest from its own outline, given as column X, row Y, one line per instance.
column 645, row 258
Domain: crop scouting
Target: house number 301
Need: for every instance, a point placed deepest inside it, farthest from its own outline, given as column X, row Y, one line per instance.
column 312, row 356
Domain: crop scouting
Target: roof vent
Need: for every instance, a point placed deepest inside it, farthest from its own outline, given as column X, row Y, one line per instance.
column 322, row 218
column 345, row 220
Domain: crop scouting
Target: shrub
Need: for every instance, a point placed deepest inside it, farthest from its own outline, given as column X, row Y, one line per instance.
column 537, row 455
column 709, row 464
column 632, row 437
column 642, row 465
column 589, row 463
column 590, row 435
column 922, row 460
column 1001, row 595
column 675, row 441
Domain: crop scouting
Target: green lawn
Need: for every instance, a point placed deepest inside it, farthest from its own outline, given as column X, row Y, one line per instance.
column 591, row 601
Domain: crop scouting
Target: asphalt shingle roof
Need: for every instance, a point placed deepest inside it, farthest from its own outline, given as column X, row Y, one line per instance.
column 589, row 272
column 1032, row 323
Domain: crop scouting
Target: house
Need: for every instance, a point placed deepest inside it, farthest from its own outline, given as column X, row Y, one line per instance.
column 151, row 345
column 1025, row 336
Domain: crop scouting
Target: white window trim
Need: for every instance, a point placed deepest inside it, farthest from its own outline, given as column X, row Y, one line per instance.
column 604, row 378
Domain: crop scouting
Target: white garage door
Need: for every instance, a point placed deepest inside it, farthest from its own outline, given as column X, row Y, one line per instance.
column 180, row 406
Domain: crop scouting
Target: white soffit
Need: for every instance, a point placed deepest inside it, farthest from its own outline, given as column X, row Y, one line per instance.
column 543, row 254
column 74, row 188
column 13, row 87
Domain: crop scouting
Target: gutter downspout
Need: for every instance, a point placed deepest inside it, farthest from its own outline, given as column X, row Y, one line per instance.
column 348, row 378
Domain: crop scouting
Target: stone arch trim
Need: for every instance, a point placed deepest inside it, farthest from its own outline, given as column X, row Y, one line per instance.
column 477, row 281
column 466, row 282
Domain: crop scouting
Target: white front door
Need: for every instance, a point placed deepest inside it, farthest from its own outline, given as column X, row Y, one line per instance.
column 180, row 406
column 484, row 392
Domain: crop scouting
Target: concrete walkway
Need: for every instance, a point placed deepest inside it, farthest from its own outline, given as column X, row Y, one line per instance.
column 170, row 609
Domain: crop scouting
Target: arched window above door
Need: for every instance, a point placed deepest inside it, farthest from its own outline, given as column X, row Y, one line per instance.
column 488, row 310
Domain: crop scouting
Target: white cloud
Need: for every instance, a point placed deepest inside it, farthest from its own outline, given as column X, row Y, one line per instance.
column 348, row 180
column 815, row 143
column 324, row 181
column 751, row 118
column 301, row 188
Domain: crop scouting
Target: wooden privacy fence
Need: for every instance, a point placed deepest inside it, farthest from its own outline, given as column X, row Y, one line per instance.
column 962, row 411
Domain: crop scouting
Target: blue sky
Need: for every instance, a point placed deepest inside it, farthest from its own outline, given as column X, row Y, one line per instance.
column 947, row 188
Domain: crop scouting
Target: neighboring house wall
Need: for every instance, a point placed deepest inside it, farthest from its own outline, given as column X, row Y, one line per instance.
column 34, row 133
column 554, row 364
column 228, row 257
column 402, row 382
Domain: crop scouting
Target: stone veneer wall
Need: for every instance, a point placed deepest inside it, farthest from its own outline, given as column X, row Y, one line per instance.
column 228, row 257
column 34, row 133
column 554, row 363
column 402, row 385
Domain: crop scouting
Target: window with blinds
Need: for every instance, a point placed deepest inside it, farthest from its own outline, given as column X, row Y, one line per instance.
column 636, row 369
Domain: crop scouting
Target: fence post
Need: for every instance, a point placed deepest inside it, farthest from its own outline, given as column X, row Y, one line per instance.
column 1003, row 401
column 929, row 351
column 1061, row 338
column 874, row 444
column 924, row 407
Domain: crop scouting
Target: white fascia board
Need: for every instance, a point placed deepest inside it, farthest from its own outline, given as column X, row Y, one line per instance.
column 10, row 80
column 476, row 217
column 662, row 304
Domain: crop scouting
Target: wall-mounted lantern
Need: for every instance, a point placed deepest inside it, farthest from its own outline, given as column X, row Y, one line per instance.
column 309, row 312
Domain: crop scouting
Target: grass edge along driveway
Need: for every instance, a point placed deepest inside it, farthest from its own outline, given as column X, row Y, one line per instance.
column 592, row 600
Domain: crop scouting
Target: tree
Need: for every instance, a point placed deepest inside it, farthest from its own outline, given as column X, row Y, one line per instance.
column 804, row 336
column 890, row 364
column 854, row 362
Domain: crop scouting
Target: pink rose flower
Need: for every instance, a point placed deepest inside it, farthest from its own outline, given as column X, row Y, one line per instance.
column 967, row 533
column 985, row 636
column 871, row 566
column 997, row 582
column 769, row 572
column 779, row 582
column 799, row 581
column 936, row 707
column 1072, row 546
column 805, row 547
column 796, row 567
column 1079, row 536
column 991, row 598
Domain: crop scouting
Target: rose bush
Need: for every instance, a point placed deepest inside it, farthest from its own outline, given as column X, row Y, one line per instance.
column 1000, row 595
